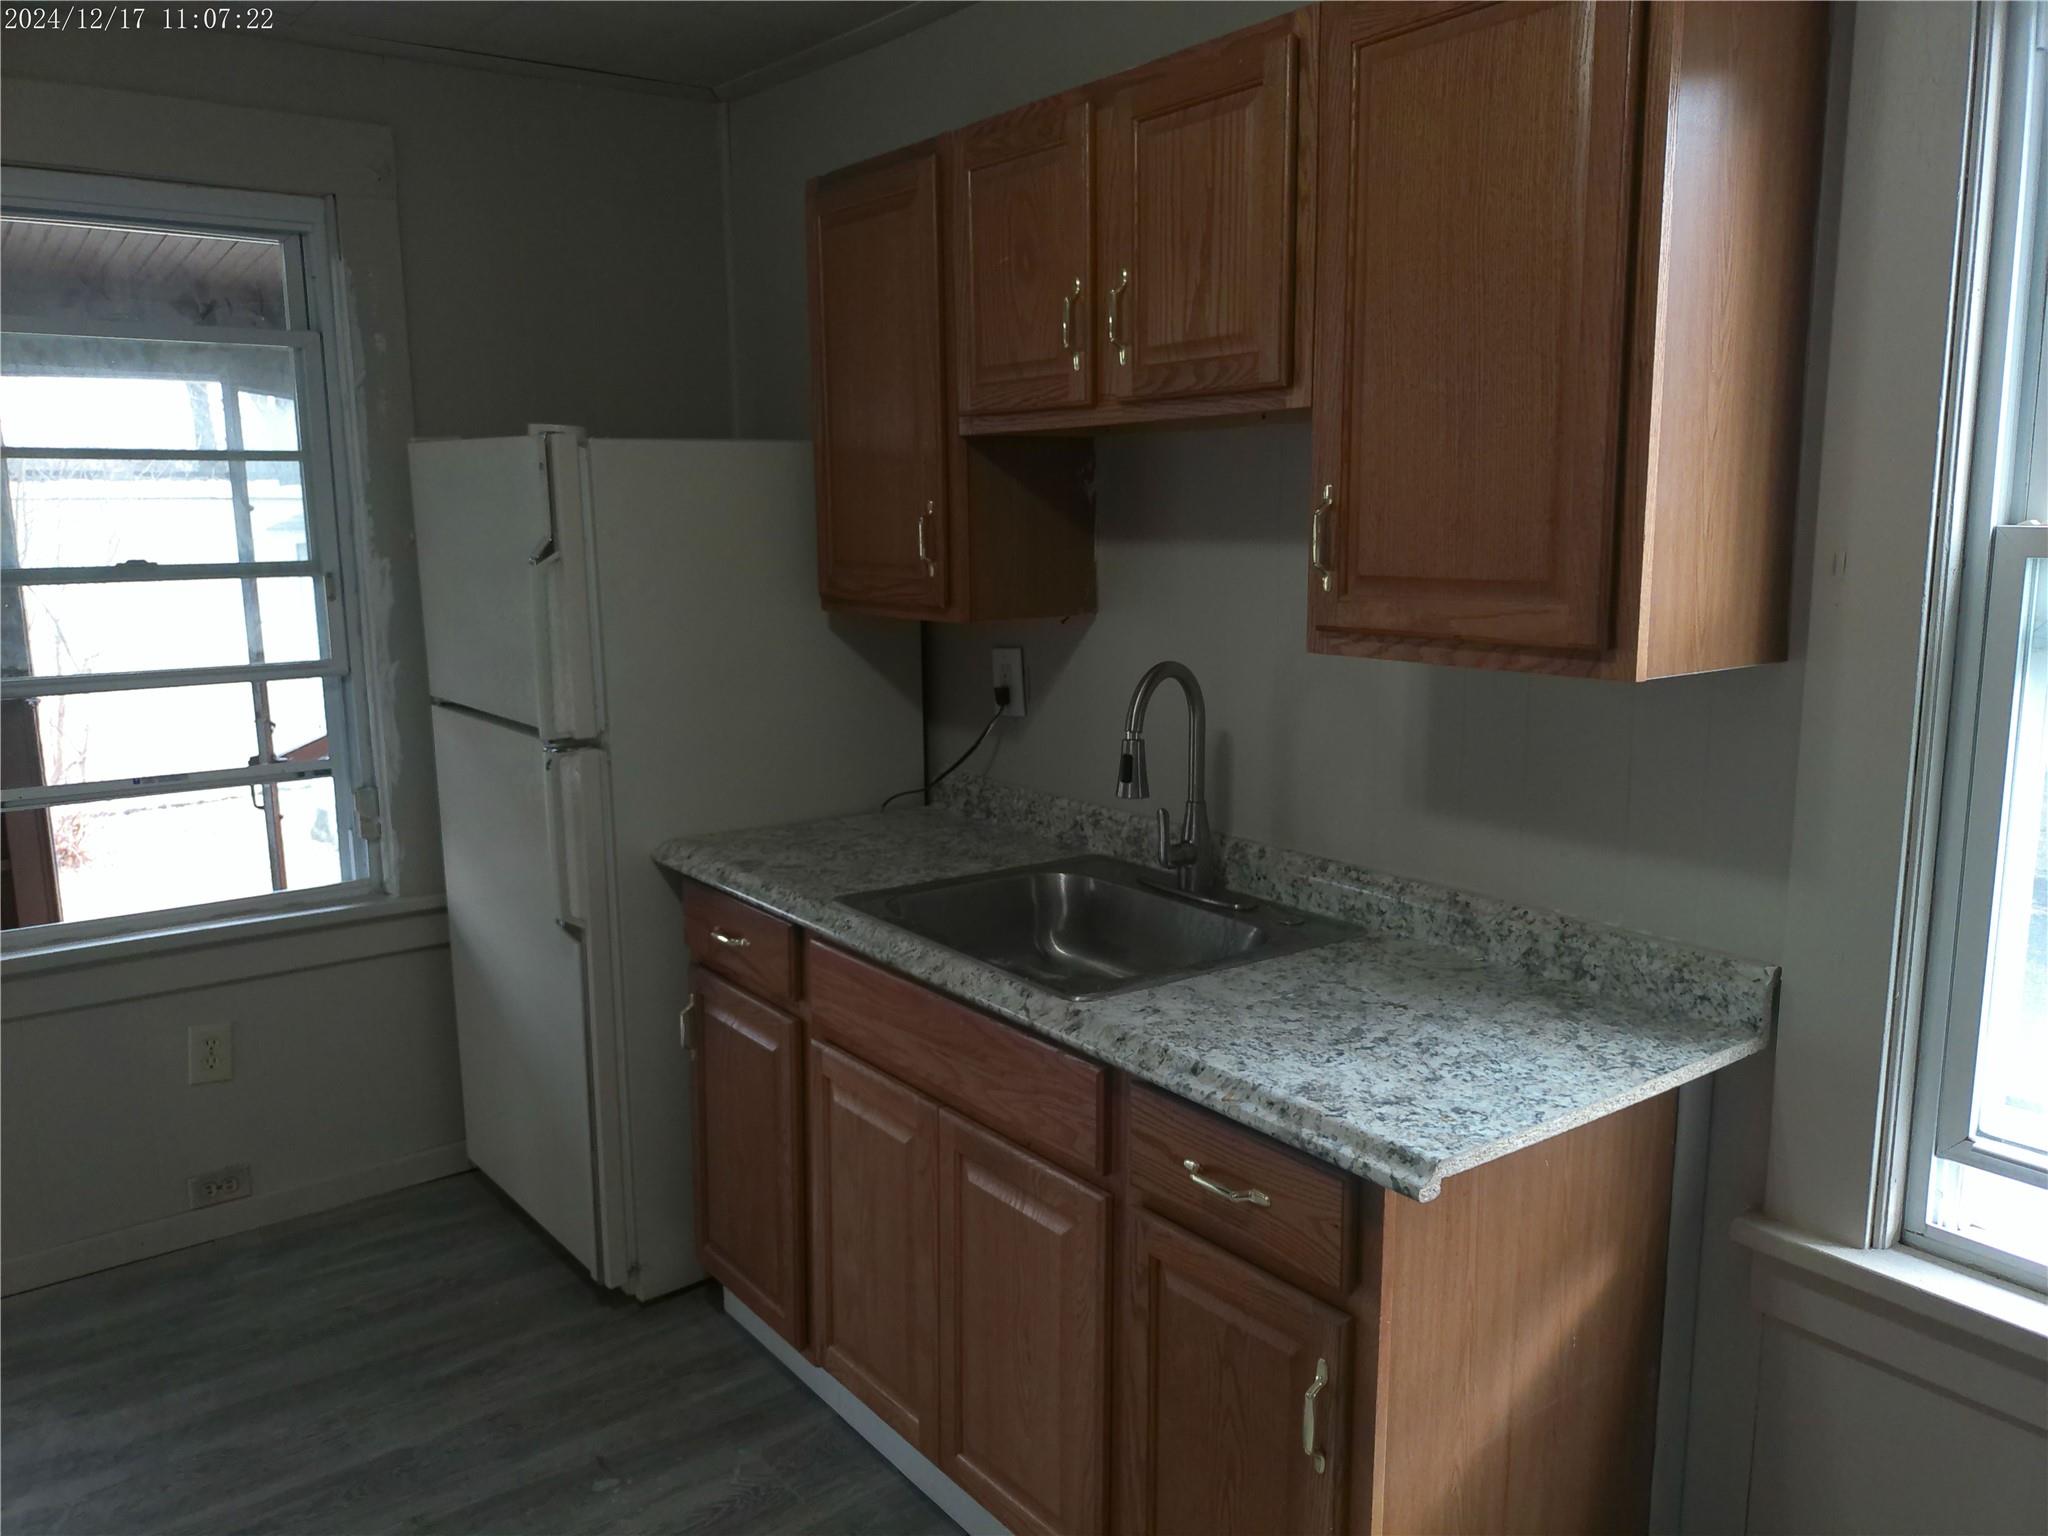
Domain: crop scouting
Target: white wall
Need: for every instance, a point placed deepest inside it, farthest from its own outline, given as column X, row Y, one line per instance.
column 562, row 260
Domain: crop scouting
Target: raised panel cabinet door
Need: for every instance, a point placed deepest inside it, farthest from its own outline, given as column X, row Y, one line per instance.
column 1235, row 1388
column 879, row 419
column 1472, row 291
column 875, row 1241
column 1023, row 1332
column 749, row 1154
column 1023, row 210
column 1198, row 297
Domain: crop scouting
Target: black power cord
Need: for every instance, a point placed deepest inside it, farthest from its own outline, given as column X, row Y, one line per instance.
column 1002, row 703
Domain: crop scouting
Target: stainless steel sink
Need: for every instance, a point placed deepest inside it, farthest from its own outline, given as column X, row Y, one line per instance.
column 1083, row 927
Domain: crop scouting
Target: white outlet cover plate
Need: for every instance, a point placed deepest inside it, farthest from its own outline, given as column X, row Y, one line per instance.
column 209, row 1053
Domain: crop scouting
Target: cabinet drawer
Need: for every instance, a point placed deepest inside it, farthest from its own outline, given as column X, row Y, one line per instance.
column 741, row 942
column 1033, row 1092
column 1302, row 1227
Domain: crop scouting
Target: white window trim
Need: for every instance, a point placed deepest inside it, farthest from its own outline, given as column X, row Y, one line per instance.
column 1966, row 716
column 333, row 535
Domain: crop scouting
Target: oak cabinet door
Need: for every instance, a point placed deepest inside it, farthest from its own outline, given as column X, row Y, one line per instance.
column 1199, row 196
column 749, row 1159
column 874, row 1241
column 1235, row 1387
column 879, row 418
column 1023, row 1332
column 1472, row 289
column 1023, row 210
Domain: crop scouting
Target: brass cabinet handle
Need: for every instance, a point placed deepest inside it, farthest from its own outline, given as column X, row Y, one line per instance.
column 1239, row 1196
column 1318, row 561
column 931, row 567
column 1308, row 1413
column 731, row 940
column 1123, row 281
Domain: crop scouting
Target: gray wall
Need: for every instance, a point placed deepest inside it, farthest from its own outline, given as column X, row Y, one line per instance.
column 564, row 256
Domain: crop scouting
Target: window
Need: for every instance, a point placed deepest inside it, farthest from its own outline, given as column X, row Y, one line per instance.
column 1978, row 1176
column 178, row 718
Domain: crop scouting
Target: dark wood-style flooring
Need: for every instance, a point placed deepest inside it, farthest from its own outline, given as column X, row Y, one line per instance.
column 421, row 1362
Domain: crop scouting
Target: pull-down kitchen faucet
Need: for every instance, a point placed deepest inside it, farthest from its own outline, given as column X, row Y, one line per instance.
column 1192, row 857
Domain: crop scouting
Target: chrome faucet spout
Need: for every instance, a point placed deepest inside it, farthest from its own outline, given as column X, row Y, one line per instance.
column 1192, row 857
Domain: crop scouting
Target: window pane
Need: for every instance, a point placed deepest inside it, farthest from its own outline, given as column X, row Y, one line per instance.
column 107, row 272
column 71, row 512
column 1989, row 1208
column 88, row 738
column 2011, row 1095
column 298, row 719
column 117, row 857
column 93, row 392
column 149, row 625
column 308, row 826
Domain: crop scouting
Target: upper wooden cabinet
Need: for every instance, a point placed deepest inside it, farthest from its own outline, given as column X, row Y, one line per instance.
column 878, row 415
column 1530, row 451
column 912, row 521
column 1192, row 176
column 1022, row 210
column 1198, row 221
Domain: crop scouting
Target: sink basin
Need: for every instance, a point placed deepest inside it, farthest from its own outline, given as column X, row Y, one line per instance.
column 1083, row 927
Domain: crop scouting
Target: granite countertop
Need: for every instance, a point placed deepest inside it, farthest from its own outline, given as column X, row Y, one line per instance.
column 1455, row 1030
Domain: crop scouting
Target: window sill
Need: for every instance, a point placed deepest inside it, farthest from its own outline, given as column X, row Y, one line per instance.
column 1978, row 1338
column 84, row 972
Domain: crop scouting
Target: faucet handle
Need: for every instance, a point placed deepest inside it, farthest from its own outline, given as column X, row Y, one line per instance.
column 1173, row 852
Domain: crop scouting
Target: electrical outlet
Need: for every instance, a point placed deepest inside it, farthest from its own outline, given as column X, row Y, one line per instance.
column 209, row 1053
column 219, row 1186
column 1009, row 673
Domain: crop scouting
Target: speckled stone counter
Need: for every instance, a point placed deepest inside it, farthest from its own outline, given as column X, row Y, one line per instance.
column 1455, row 1030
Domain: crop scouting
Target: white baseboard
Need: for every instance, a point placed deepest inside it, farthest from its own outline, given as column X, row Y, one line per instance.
column 107, row 1249
column 961, row 1509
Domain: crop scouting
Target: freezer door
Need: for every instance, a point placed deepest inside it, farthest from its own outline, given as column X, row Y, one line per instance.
column 481, row 513
column 521, row 1005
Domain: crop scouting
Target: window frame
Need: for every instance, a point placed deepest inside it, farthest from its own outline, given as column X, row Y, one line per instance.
column 304, row 227
column 1996, row 545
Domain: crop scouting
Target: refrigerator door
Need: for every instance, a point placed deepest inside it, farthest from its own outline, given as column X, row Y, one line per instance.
column 481, row 513
column 521, row 1003
column 731, row 700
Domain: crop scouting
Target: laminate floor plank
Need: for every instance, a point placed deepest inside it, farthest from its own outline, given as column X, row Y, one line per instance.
column 425, row 1362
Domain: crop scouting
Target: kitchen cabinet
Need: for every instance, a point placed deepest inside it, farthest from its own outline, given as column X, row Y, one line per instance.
column 1235, row 1385
column 1023, row 210
column 1088, row 1302
column 749, row 1170
column 874, row 1241
column 913, row 522
column 1023, row 1332
column 1522, row 431
column 1200, row 196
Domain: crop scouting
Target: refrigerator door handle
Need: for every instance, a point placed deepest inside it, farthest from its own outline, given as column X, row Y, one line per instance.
column 558, row 796
column 542, row 564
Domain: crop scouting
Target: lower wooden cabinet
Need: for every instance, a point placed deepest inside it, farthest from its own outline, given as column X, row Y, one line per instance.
column 1023, row 1332
column 749, row 1173
column 874, row 1241
column 1235, row 1387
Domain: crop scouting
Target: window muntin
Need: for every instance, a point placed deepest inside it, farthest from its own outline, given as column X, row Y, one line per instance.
column 174, row 663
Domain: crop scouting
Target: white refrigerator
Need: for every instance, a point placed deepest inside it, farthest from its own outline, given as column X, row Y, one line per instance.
column 624, row 644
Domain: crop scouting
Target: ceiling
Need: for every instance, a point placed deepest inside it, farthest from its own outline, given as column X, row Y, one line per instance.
column 716, row 49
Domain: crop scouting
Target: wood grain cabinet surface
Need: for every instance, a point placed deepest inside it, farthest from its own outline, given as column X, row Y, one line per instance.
column 1024, row 1326
column 1235, row 1387
column 750, row 1174
column 1564, row 261
column 875, row 1241
column 914, row 521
